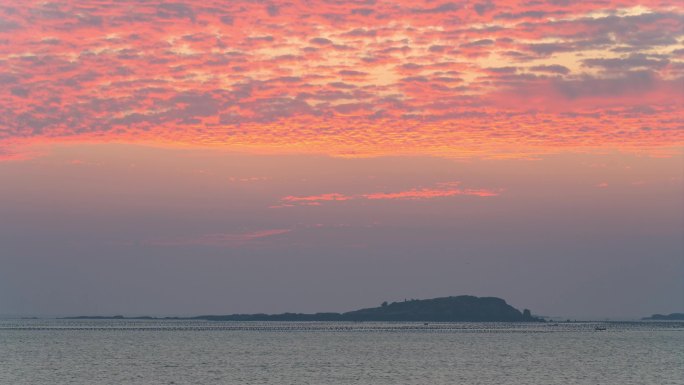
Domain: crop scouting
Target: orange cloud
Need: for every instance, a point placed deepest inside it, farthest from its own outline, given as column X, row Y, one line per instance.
column 428, row 193
column 442, row 190
column 509, row 79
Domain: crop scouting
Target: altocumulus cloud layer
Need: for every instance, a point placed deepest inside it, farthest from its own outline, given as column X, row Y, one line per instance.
column 349, row 78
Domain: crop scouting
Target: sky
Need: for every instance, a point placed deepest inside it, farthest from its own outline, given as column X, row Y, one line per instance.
column 214, row 157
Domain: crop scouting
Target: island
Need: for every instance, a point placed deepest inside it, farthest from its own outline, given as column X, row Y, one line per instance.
column 463, row 308
column 668, row 317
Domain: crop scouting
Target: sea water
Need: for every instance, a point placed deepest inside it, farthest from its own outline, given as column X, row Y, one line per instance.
column 202, row 352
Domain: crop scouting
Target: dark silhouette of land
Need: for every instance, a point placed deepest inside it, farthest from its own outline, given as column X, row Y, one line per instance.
column 668, row 317
column 464, row 308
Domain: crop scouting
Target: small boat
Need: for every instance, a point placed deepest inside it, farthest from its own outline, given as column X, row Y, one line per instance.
column 600, row 328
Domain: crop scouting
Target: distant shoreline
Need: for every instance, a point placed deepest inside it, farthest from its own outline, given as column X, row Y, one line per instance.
column 668, row 317
column 463, row 308
column 206, row 318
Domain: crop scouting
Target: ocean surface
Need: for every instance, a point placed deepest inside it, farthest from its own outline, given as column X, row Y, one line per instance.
column 201, row 352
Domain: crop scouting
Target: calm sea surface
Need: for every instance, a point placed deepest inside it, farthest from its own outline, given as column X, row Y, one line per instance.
column 197, row 352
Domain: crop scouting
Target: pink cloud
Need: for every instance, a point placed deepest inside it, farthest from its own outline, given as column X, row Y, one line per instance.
column 430, row 193
column 221, row 239
column 292, row 77
column 442, row 190
column 317, row 198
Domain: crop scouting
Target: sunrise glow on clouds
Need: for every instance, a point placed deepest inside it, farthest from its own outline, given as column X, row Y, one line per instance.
column 484, row 79
column 448, row 189
column 224, row 240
